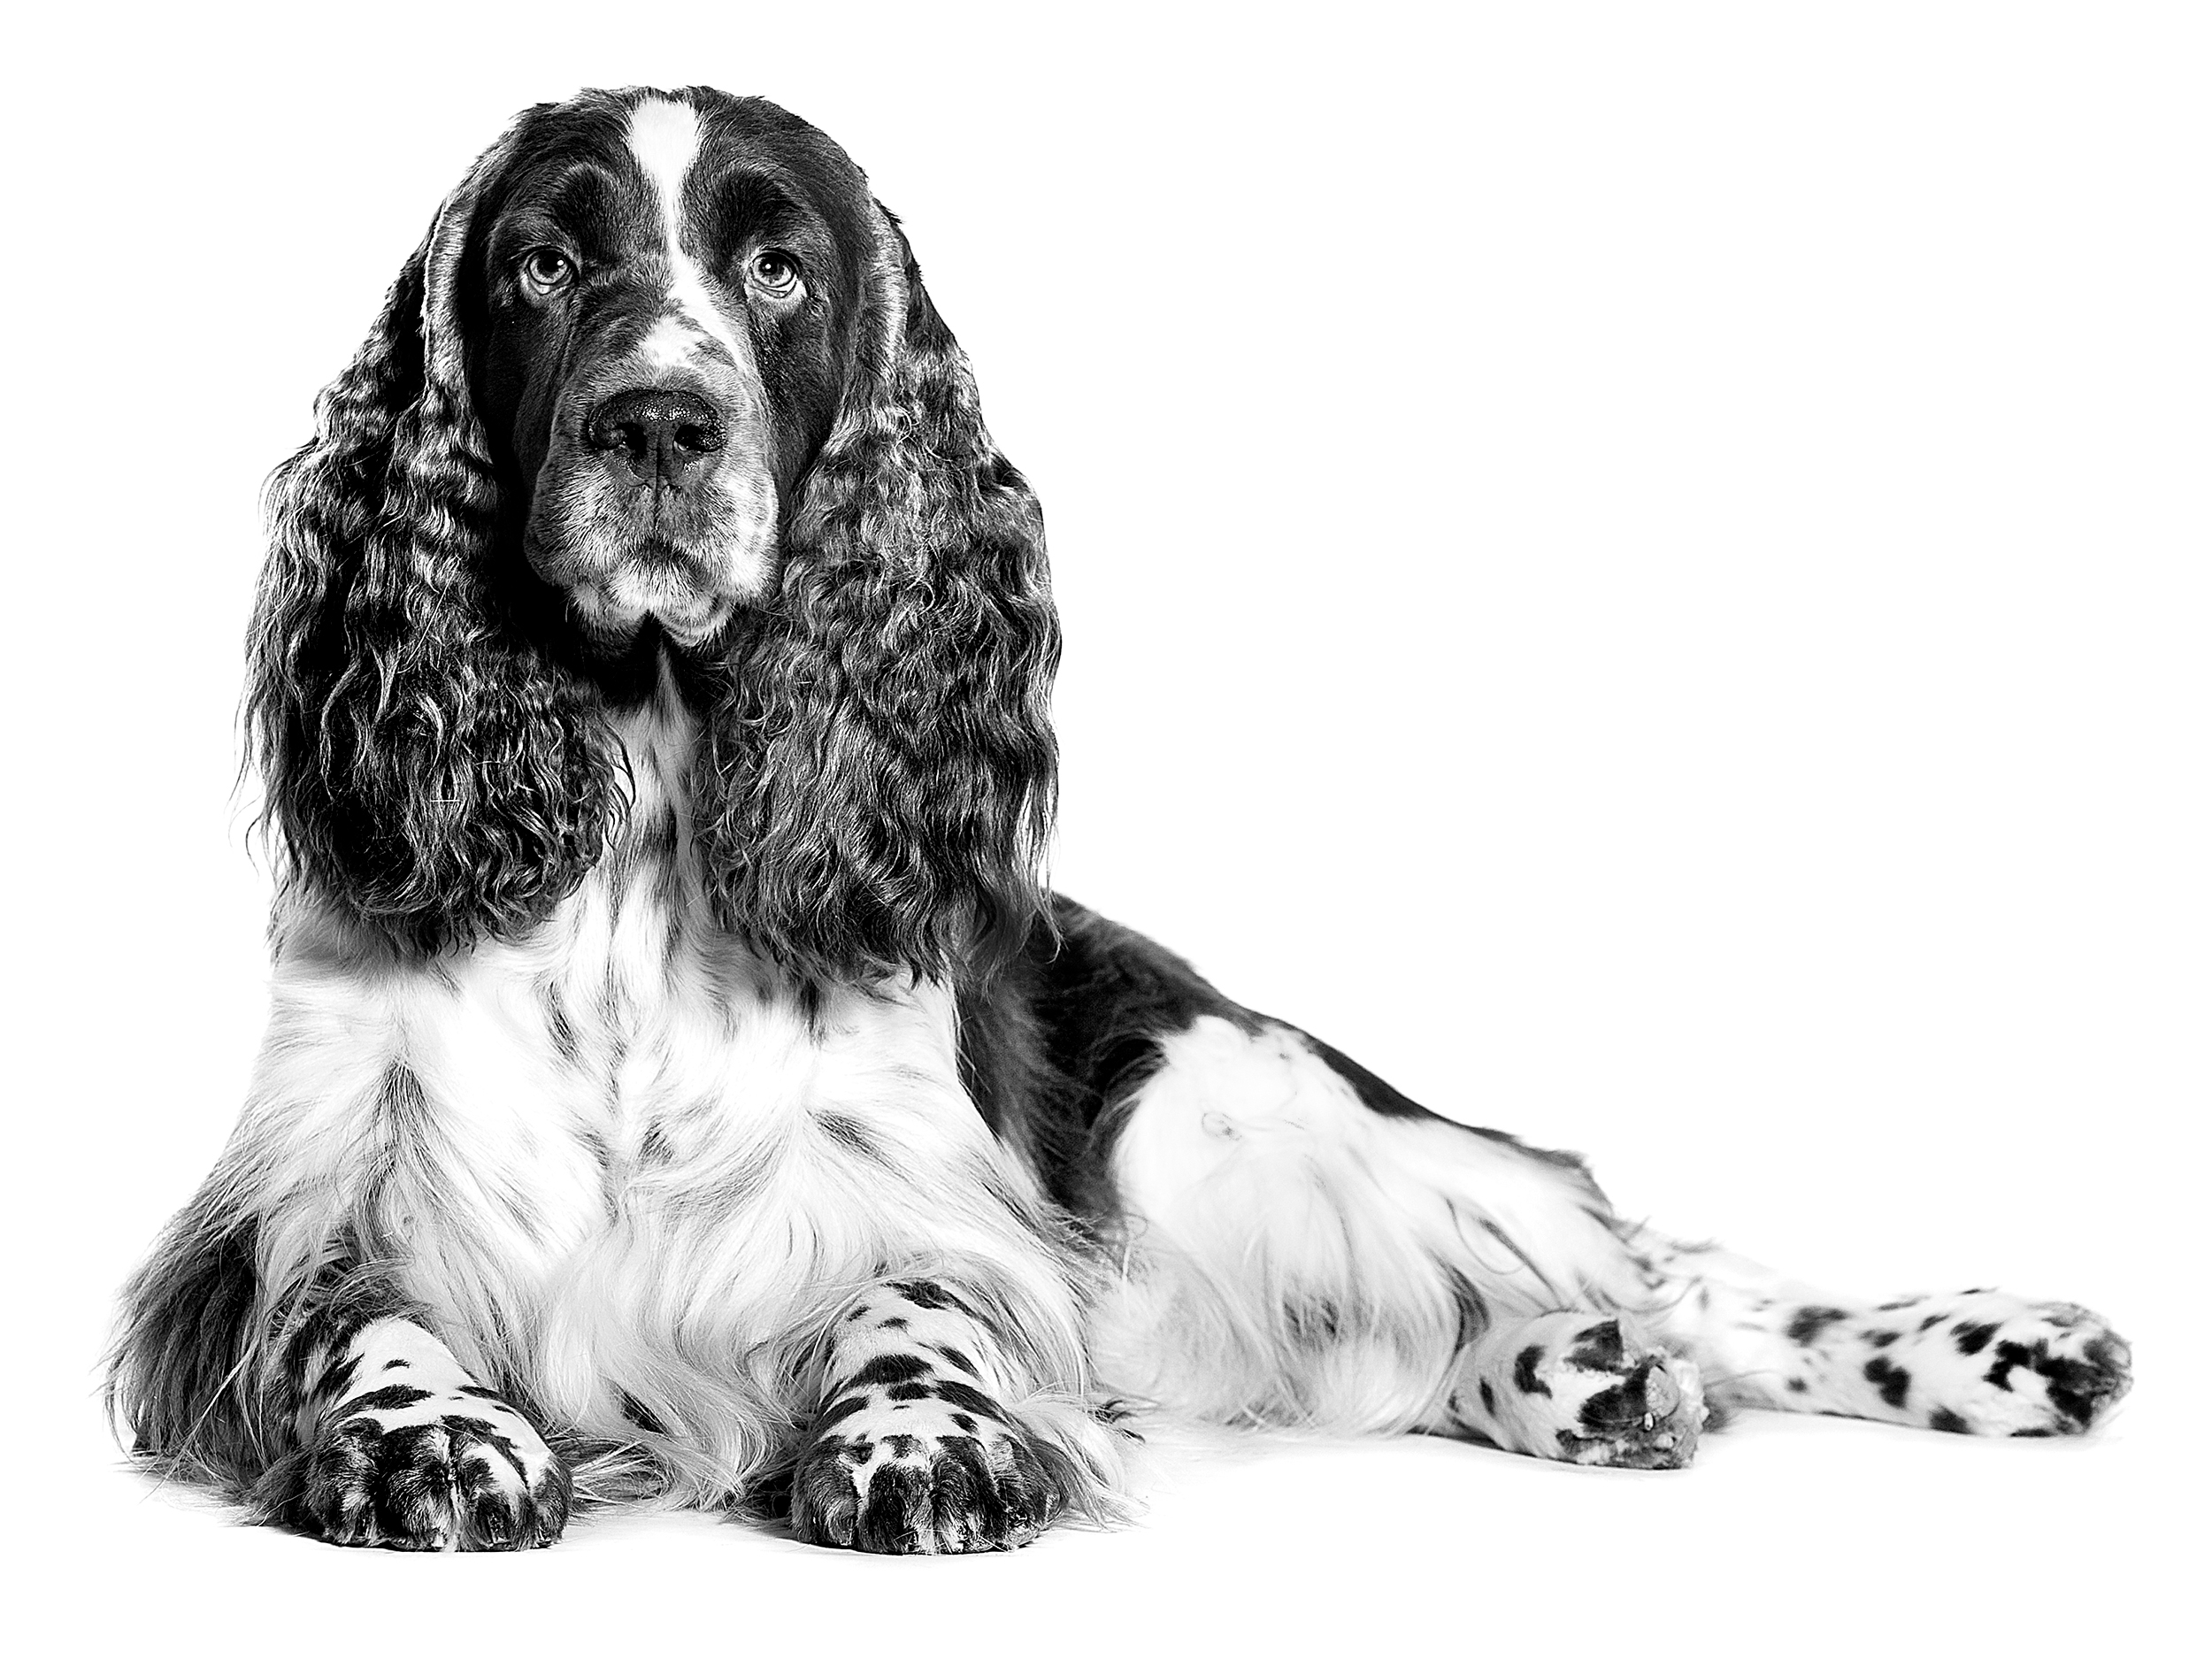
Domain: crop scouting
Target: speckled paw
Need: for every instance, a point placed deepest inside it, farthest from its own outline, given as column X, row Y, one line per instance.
column 920, row 1465
column 2039, row 1369
column 1583, row 1387
column 1631, row 1405
column 406, row 1468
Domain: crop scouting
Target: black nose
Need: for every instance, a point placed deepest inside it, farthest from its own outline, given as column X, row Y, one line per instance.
column 659, row 430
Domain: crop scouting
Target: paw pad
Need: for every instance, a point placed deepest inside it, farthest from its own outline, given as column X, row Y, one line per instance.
column 1593, row 1389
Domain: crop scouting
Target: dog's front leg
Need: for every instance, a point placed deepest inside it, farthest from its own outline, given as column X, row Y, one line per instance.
column 930, row 1439
column 398, row 1445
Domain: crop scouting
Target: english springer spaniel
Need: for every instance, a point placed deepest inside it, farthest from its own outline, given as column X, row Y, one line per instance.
column 680, row 1084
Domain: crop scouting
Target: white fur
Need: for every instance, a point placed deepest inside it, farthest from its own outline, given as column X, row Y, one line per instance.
column 1749, row 1325
column 664, row 138
column 699, row 343
column 1267, row 1204
column 664, row 1215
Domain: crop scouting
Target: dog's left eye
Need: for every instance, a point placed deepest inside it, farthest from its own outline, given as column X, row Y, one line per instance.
column 546, row 269
column 774, row 270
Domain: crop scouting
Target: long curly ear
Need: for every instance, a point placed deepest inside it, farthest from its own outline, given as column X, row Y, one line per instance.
column 884, row 750
column 427, row 771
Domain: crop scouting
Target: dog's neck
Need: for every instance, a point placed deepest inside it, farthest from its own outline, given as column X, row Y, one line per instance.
column 656, row 742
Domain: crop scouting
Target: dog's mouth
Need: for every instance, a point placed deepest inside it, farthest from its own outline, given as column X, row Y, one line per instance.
column 626, row 555
column 656, row 584
column 659, row 555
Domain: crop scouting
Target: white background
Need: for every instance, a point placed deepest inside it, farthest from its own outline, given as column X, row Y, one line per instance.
column 1642, row 569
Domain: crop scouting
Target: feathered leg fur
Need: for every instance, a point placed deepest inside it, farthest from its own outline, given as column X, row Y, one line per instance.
column 328, row 1408
column 1298, row 1243
column 1272, row 1234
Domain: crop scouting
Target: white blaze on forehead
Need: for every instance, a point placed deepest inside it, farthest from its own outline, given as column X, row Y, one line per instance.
column 665, row 139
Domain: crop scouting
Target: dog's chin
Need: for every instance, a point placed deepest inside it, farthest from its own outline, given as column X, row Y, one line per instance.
column 651, row 588
column 614, row 615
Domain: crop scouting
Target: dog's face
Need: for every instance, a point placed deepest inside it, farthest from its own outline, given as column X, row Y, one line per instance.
column 668, row 294
column 662, row 373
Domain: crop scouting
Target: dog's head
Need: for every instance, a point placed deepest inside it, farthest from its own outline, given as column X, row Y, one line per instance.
column 662, row 392
column 661, row 298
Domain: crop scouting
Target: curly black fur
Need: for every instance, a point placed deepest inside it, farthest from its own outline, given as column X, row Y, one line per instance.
column 879, row 766
column 427, row 767
column 884, row 750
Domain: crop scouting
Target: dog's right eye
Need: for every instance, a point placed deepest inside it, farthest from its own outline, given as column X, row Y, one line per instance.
column 545, row 270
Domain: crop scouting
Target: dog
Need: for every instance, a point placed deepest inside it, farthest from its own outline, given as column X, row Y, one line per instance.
column 680, row 1084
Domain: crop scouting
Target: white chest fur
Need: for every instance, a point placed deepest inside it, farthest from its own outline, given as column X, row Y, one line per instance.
column 618, row 1161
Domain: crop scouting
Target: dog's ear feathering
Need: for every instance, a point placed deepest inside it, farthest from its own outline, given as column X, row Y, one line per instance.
column 878, row 778
column 426, row 768
column 884, row 756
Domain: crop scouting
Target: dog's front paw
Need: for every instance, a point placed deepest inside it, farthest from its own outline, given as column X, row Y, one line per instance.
column 408, row 1468
column 920, row 1465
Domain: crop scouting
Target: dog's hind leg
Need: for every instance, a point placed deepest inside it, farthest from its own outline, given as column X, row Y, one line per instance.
column 1585, row 1388
column 1300, row 1244
column 1976, row 1361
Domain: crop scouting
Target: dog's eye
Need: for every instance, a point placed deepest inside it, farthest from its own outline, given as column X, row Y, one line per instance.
column 775, row 272
column 545, row 270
